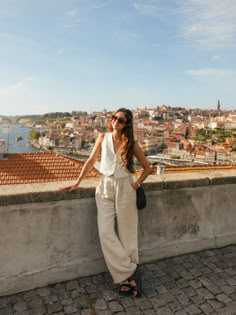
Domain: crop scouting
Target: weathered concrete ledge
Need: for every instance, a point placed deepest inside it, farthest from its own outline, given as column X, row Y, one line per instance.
column 48, row 235
column 42, row 192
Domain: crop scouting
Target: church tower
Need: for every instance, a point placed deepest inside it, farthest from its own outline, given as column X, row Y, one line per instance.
column 218, row 105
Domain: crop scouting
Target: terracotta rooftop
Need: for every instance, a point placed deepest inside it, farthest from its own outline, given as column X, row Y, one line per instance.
column 38, row 167
column 41, row 167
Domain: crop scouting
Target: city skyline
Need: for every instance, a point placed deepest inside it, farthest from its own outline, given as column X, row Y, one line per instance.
column 61, row 56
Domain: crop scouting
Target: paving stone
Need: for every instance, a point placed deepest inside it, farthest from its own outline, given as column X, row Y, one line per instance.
column 83, row 302
column 231, row 281
column 77, row 292
column 215, row 304
column 6, row 311
column 149, row 312
column 50, row 299
column 95, row 295
column 109, row 295
column 175, row 306
column 144, row 304
column 85, row 281
column 214, row 289
column 152, row 267
column 183, row 299
column 187, row 275
column 98, row 279
column 133, row 310
column 224, row 298
column 25, row 312
column 55, row 307
column 227, row 289
column 21, row 306
column 72, row 285
column 164, row 311
column 70, row 309
column 182, row 283
column 158, row 302
column 149, row 292
column 28, row 295
column 87, row 311
column 44, row 292
column 63, row 295
column 127, row 302
column 196, row 284
column 35, row 302
column 198, row 299
column 195, row 272
column 176, row 291
column 189, row 291
column 100, row 304
column 67, row 301
column 103, row 312
column 233, row 296
column 102, row 286
column 115, row 306
column 38, row 310
column 170, row 284
column 228, row 310
column 60, row 287
column 182, row 312
column 162, row 289
column 193, row 309
column 168, row 297
column 206, row 308
column 205, row 293
column 91, row 289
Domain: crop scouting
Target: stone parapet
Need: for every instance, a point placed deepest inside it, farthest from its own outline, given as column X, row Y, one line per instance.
column 48, row 235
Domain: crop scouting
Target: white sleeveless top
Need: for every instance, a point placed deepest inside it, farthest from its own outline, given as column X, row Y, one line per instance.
column 109, row 164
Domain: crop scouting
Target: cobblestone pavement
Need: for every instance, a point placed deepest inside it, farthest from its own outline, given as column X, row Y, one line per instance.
column 199, row 283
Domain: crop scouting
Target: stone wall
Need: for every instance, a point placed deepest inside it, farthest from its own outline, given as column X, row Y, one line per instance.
column 47, row 235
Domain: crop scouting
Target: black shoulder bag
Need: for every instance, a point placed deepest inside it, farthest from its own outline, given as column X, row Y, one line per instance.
column 141, row 200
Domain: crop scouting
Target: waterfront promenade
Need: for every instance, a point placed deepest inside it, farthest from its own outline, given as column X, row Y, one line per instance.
column 198, row 283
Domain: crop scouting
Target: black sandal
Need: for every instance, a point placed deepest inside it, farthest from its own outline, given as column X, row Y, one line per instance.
column 125, row 289
column 136, row 278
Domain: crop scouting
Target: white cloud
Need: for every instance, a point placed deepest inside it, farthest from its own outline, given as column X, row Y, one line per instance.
column 215, row 58
column 7, row 38
column 209, row 23
column 147, row 7
column 127, row 36
column 15, row 87
column 204, row 72
column 72, row 12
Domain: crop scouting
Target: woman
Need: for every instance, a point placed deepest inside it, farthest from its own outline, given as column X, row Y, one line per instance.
column 116, row 199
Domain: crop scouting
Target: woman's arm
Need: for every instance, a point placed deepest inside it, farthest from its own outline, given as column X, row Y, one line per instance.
column 88, row 164
column 145, row 164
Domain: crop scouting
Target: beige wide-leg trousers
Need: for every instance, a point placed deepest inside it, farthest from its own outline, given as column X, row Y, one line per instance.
column 118, row 225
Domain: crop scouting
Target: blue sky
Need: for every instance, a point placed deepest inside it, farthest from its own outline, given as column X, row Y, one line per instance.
column 64, row 55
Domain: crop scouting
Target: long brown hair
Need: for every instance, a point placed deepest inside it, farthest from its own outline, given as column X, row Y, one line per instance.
column 127, row 140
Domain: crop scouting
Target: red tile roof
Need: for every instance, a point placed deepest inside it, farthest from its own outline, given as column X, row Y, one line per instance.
column 41, row 167
column 38, row 167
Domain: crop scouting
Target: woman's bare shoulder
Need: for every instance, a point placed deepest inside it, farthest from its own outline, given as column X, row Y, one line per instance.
column 100, row 136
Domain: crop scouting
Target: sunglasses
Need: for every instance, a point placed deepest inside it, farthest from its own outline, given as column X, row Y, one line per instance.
column 119, row 120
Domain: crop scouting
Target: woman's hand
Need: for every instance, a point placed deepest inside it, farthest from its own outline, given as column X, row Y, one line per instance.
column 135, row 185
column 68, row 188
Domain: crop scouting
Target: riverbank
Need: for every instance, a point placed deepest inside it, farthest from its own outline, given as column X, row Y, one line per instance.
column 16, row 138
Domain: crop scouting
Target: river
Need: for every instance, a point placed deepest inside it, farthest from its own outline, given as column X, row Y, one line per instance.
column 10, row 133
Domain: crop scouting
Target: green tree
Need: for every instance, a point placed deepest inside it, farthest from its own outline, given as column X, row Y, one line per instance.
column 34, row 134
column 234, row 147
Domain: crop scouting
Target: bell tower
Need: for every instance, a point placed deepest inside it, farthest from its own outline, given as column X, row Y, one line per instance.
column 218, row 105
